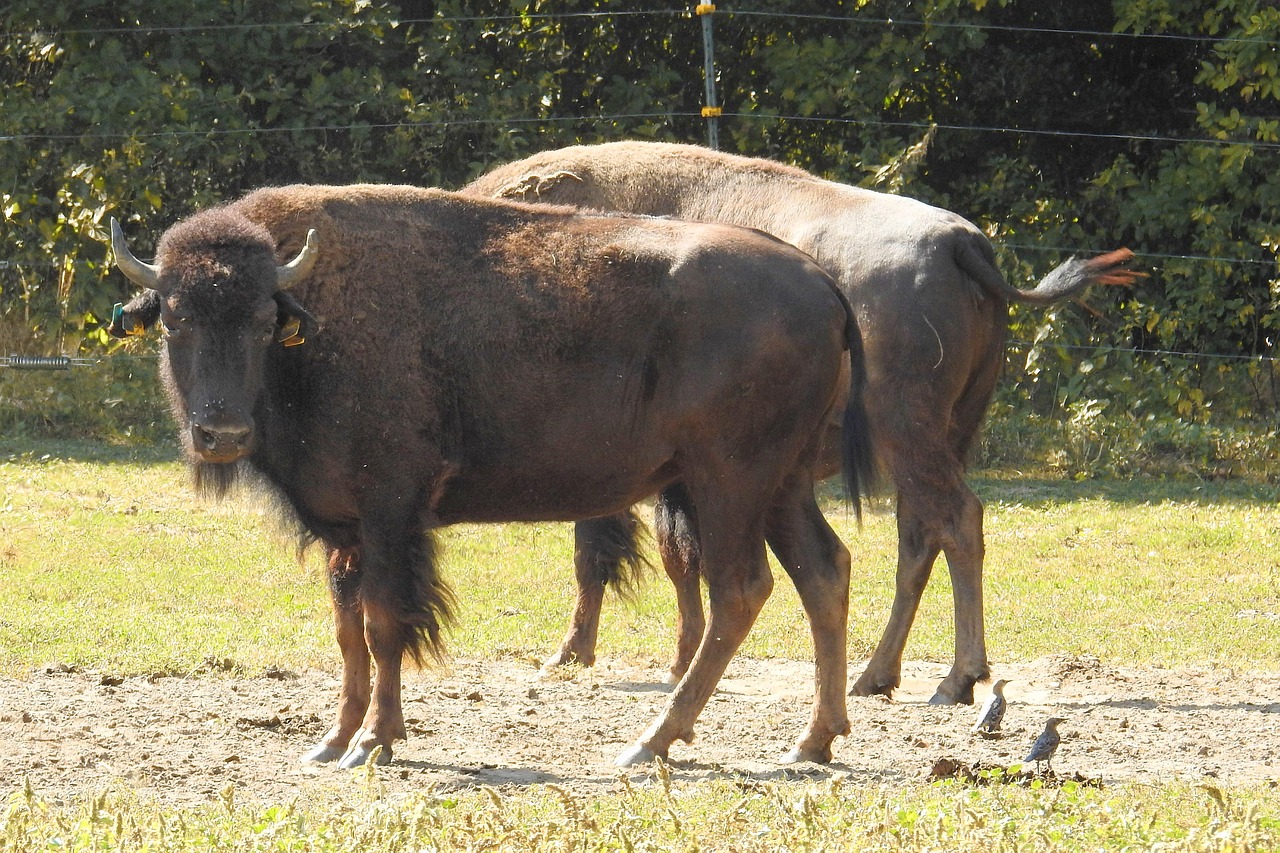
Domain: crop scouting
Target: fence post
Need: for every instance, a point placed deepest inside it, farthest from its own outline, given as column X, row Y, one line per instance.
column 711, row 112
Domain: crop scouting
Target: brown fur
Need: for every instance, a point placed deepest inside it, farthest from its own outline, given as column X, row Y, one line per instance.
column 481, row 361
column 933, row 311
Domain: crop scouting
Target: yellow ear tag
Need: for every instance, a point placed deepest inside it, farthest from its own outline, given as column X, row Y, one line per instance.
column 289, row 333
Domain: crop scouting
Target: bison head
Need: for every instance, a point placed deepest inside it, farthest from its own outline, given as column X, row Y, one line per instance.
column 220, row 298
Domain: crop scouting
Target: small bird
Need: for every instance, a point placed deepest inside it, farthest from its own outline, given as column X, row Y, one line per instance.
column 1046, row 745
column 992, row 713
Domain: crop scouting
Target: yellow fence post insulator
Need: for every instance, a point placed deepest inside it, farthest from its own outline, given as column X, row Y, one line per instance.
column 711, row 112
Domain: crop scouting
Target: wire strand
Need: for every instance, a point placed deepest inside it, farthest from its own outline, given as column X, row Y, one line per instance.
column 180, row 29
column 469, row 122
column 1069, row 134
column 1108, row 348
column 999, row 244
column 20, row 361
column 969, row 25
column 672, row 114
column 684, row 13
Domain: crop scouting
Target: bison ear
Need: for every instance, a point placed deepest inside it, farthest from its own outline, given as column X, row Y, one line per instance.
column 294, row 324
column 135, row 316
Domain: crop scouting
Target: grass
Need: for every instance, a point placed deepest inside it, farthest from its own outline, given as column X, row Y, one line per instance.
column 111, row 563
column 660, row 815
column 108, row 562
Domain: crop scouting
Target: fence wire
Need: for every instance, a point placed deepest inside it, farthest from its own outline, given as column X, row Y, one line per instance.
column 540, row 18
column 710, row 112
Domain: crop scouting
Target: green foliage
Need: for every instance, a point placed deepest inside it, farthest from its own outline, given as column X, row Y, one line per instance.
column 1058, row 127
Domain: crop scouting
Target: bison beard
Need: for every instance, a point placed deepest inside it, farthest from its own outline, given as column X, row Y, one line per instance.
column 472, row 360
column 933, row 310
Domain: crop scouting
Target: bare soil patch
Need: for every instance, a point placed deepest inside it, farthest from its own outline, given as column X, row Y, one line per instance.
column 184, row 740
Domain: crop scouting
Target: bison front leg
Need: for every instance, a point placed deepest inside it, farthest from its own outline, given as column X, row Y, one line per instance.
column 348, row 619
column 405, row 609
column 605, row 554
column 383, row 722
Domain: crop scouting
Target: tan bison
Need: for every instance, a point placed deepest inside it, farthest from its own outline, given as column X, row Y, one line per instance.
column 934, row 312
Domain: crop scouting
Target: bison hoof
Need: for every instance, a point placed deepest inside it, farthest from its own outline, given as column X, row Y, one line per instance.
column 942, row 697
column 635, row 754
column 801, row 754
column 322, row 753
column 564, row 658
column 871, row 688
column 358, row 756
column 795, row 756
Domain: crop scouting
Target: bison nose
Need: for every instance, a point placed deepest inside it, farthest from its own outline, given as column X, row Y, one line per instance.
column 221, row 442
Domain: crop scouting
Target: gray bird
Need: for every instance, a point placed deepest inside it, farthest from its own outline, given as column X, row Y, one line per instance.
column 1046, row 745
column 992, row 713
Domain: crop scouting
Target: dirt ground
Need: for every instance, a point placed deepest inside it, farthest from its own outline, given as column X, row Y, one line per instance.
column 183, row 741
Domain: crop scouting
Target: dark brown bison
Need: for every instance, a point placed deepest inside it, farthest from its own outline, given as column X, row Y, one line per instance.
column 933, row 310
column 440, row 358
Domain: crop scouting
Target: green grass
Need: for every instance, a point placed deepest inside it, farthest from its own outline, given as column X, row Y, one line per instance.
column 660, row 815
column 108, row 562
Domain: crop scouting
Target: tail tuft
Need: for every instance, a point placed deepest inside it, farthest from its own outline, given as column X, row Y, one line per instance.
column 1110, row 268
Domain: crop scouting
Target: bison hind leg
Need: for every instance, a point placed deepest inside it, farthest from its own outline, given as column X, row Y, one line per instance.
column 675, row 525
column 819, row 566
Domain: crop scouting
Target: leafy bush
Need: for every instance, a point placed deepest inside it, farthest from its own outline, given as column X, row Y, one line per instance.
column 1057, row 127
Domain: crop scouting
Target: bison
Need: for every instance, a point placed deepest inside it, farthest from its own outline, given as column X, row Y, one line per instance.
column 934, row 314
column 429, row 358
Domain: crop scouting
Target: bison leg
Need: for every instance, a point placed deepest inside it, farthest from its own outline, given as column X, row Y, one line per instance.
column 965, row 552
column 579, row 644
column 384, row 721
column 738, row 584
column 950, row 519
column 602, row 547
column 676, row 528
column 348, row 619
column 819, row 565
column 405, row 609
column 916, row 556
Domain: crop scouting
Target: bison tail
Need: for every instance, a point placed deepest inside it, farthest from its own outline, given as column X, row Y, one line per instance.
column 1066, row 281
column 428, row 607
column 612, row 544
column 855, row 435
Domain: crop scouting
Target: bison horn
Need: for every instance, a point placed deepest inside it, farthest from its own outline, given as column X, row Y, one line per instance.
column 142, row 274
column 298, row 268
